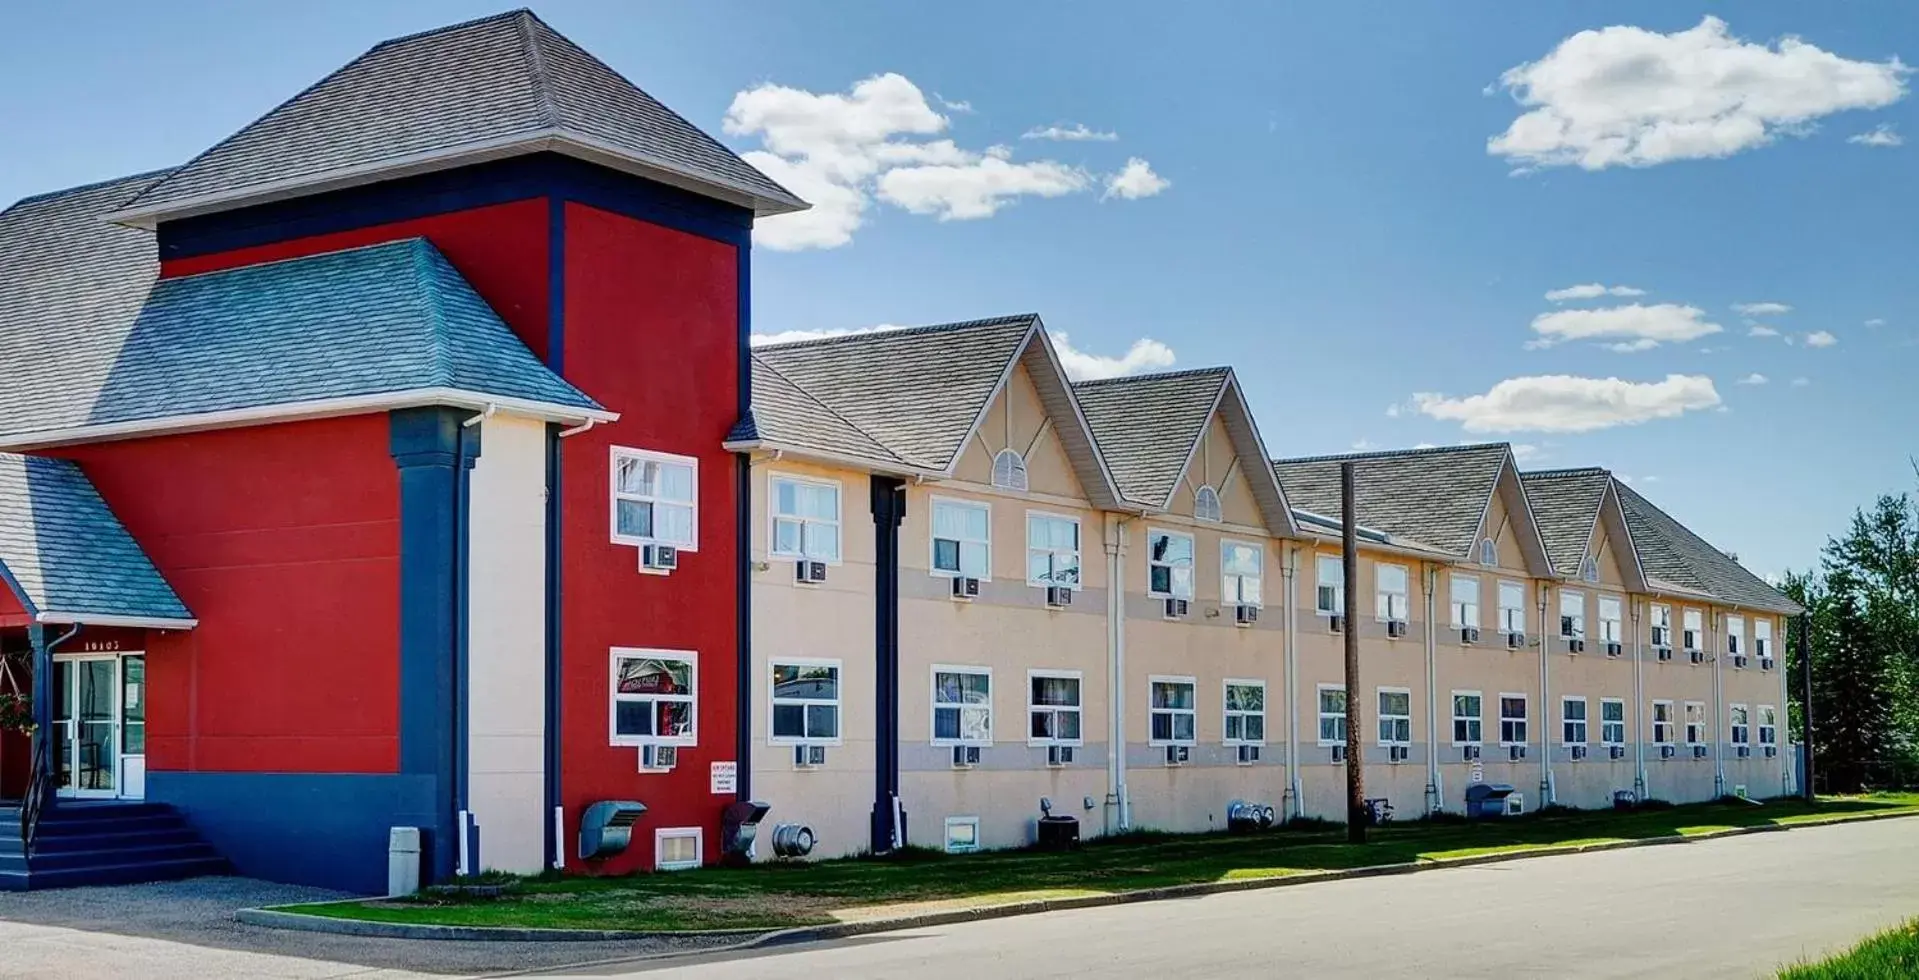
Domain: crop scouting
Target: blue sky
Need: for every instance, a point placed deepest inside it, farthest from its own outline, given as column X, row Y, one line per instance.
column 1326, row 200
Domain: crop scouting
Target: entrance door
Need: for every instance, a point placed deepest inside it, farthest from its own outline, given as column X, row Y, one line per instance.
column 100, row 726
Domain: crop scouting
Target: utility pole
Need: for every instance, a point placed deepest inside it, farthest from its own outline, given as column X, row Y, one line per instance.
column 1349, row 569
column 1805, row 704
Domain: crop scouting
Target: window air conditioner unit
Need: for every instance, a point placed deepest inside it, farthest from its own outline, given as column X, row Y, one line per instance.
column 965, row 589
column 1248, row 754
column 1697, row 656
column 1469, row 753
column 1698, row 751
column 1745, row 751
column 1395, row 627
column 965, row 756
column 1739, row 661
column 1665, row 653
column 1772, row 751
column 1059, row 755
column 659, row 557
column 1339, row 753
column 809, row 756
column 1398, row 753
column 1335, row 623
column 1246, row 615
column 1616, row 751
column 809, row 572
column 1765, row 663
column 1578, row 752
column 659, row 756
column 1515, row 641
column 1667, row 751
column 1059, row 596
column 1176, row 608
column 1575, row 646
column 1690, row 638
column 1469, row 634
column 1614, row 650
column 1516, row 752
column 1178, row 755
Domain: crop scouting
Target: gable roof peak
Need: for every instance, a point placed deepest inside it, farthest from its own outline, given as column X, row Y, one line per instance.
column 892, row 333
column 1181, row 374
column 1390, row 454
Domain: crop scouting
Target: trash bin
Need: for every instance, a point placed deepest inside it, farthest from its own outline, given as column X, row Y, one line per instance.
column 1487, row 800
column 402, row 861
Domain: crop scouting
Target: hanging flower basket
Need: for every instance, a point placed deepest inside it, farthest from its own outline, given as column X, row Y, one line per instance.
column 16, row 713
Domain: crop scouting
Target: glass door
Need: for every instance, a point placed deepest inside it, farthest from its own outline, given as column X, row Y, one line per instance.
column 133, row 726
column 87, row 717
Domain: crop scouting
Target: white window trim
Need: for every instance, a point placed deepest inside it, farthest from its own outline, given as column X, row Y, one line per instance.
column 1488, row 546
column 773, row 516
column 1585, row 708
column 1618, row 621
column 839, row 703
column 1603, row 740
column 1019, row 467
column 1579, row 622
column 1192, row 682
column 1735, row 634
column 1686, row 618
column 1339, row 586
column 933, row 704
column 1672, row 722
column 1453, row 580
column 1499, row 592
column 1079, row 553
column 1224, row 712
column 932, row 534
column 1762, row 638
column 1380, row 715
column 1589, row 570
column 613, row 699
column 1079, row 709
column 946, row 842
column 660, row 836
column 1217, row 503
column 1319, row 694
column 1685, row 720
column 1732, row 728
column 1527, row 718
column 1457, row 717
column 1193, row 542
column 1760, row 724
column 1653, row 622
column 613, row 495
column 1379, row 592
column 1259, row 601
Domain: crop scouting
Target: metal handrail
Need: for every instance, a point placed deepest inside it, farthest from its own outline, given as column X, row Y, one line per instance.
column 39, row 787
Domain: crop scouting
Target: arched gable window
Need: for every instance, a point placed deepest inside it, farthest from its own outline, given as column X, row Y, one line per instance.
column 1488, row 552
column 1009, row 470
column 1590, row 570
column 1206, row 505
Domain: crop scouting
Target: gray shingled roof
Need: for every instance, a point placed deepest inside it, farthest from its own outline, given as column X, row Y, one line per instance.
column 65, row 555
column 506, row 79
column 1566, row 505
column 1146, row 426
column 783, row 412
column 1436, row 497
column 89, row 339
column 1672, row 553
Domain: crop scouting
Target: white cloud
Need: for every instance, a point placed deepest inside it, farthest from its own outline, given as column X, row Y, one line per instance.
column 1146, row 354
column 1761, row 309
column 1077, row 132
column 1876, row 322
column 1134, row 181
column 1754, row 378
column 1635, row 326
column 951, row 105
column 1760, row 330
column 1880, row 135
column 1526, row 452
column 1392, row 411
column 1801, row 382
column 1628, row 96
column 1564, row 403
column 880, row 138
column 1591, row 290
column 795, row 336
column 1365, row 446
column 1821, row 338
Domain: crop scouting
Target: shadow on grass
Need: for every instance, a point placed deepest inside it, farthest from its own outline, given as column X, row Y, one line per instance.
column 785, row 895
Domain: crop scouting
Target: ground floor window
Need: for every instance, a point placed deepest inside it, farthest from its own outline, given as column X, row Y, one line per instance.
column 1662, row 722
column 1741, row 724
column 1395, row 716
column 962, row 706
column 1768, row 725
column 1512, row 719
column 1572, row 720
column 1173, row 712
column 806, row 701
column 1612, row 721
column 653, row 695
column 1695, row 723
column 1467, row 717
column 1332, row 714
column 962, row 835
column 676, row 848
column 1245, row 712
column 1053, row 707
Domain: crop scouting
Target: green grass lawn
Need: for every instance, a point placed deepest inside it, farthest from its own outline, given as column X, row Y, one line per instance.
column 1892, row 955
column 774, row 896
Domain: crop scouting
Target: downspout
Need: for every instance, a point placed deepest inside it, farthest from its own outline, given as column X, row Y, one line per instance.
column 1782, row 719
column 1545, row 700
column 1638, row 705
column 1433, row 795
column 1118, row 808
column 1296, row 803
column 468, row 446
column 43, row 699
column 1715, row 628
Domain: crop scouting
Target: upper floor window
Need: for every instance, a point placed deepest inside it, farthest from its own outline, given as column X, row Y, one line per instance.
column 1009, row 470
column 1694, row 620
column 1241, row 567
column 1512, row 608
column 1052, row 550
column 1330, row 596
column 1661, row 626
column 1169, row 564
column 1609, row 618
column 962, row 539
column 1762, row 638
column 806, row 701
column 1206, row 505
column 653, row 697
column 1735, row 634
column 1572, row 615
column 806, row 518
column 1392, row 602
column 655, row 498
column 1465, row 600
column 1589, row 570
column 1488, row 552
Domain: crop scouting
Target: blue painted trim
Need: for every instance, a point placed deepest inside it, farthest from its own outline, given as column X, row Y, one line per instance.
column 554, row 845
column 889, row 511
column 471, row 441
column 482, row 185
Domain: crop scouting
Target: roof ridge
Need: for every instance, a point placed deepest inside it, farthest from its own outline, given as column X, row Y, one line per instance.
column 1221, row 370
column 760, row 362
column 266, row 263
column 537, row 67
column 1568, row 471
column 450, row 28
column 1393, row 453
column 999, row 321
column 83, row 188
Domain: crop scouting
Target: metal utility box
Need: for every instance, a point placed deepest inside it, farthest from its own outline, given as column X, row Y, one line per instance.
column 1057, row 833
column 739, row 827
column 607, row 827
column 1487, row 800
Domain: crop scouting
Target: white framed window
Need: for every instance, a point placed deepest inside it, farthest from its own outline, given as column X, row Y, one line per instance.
column 805, row 702
column 1735, row 635
column 1512, row 719
column 1572, row 720
column 1245, row 712
column 1572, row 615
column 1053, row 707
column 962, row 835
column 962, row 539
column 1468, row 717
column 1612, row 721
column 1465, row 590
column 1611, row 613
column 1762, row 638
column 1488, row 552
column 1662, row 723
column 1172, row 712
column 654, row 697
column 1332, row 714
column 1206, row 505
column 1512, row 608
column 1395, row 716
column 806, row 518
column 677, row 848
column 1589, row 569
column 962, row 705
column 1052, row 550
column 1169, row 564
column 1661, row 618
column 1695, row 630
column 1329, row 597
column 1242, row 568
column 655, row 498
column 1009, row 470
column 1695, row 723
column 1391, row 602
column 1768, row 725
column 1739, row 720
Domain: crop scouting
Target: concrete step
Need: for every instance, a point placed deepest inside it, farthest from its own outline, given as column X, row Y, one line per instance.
column 112, row 874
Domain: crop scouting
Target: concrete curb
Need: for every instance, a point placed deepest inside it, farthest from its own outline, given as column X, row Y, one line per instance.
column 843, row 930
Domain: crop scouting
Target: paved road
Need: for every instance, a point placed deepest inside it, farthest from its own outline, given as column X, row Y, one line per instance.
column 1735, row 908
